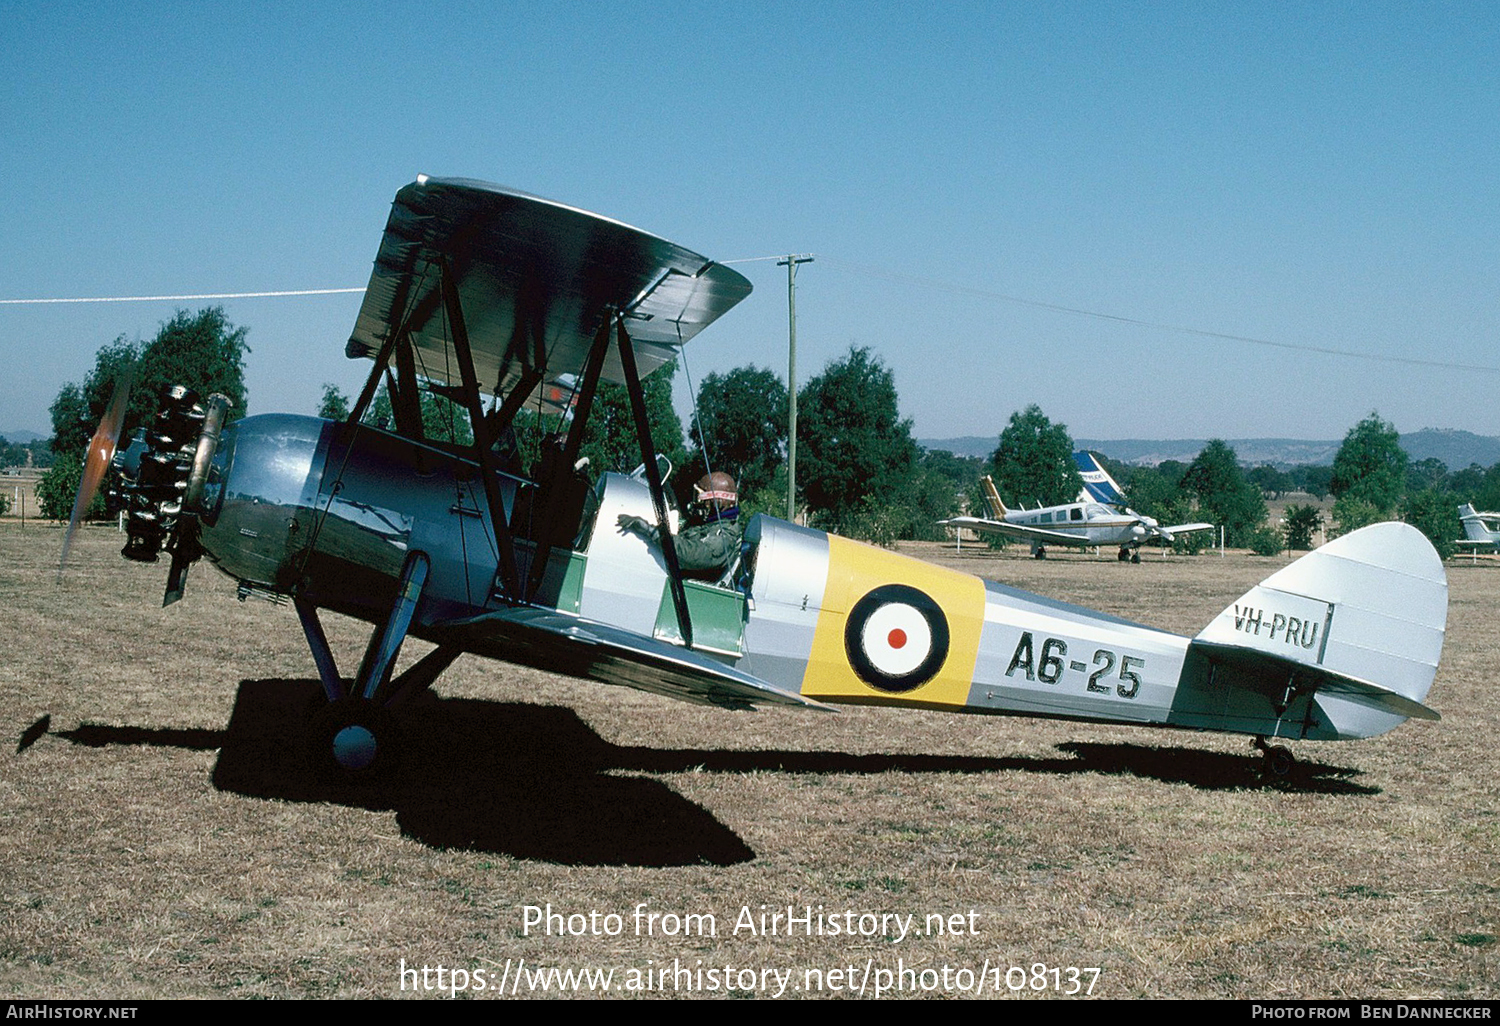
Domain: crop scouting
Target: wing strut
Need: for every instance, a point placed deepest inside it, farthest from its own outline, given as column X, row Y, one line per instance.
column 553, row 489
column 653, row 480
column 484, row 433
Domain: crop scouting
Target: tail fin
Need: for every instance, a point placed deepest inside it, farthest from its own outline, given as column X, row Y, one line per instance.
column 1098, row 486
column 1474, row 525
column 1350, row 635
column 991, row 496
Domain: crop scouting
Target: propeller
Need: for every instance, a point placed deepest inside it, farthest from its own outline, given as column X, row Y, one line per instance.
column 100, row 452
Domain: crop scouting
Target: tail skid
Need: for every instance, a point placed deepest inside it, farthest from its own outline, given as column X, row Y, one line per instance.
column 1343, row 643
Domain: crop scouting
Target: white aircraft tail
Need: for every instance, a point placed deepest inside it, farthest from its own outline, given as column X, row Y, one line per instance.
column 1349, row 635
column 1098, row 486
column 992, row 498
column 1475, row 529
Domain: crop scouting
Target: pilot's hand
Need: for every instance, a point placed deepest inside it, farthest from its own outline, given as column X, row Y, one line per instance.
column 629, row 523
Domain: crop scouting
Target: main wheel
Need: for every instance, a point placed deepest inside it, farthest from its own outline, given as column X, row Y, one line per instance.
column 1279, row 762
column 355, row 738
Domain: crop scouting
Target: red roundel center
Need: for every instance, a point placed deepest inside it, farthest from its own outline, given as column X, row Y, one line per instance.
column 897, row 638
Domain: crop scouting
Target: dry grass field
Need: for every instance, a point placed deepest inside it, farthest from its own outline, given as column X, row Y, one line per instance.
column 161, row 834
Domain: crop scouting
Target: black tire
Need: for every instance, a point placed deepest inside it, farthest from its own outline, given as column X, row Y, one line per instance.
column 355, row 739
column 1279, row 763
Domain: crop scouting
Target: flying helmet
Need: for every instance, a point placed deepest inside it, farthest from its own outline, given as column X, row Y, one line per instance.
column 716, row 493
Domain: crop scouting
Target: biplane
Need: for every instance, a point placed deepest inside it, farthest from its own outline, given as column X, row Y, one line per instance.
column 1091, row 522
column 483, row 293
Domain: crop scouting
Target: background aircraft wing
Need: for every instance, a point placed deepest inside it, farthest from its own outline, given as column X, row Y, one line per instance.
column 1023, row 531
column 1185, row 528
column 562, row 643
column 536, row 279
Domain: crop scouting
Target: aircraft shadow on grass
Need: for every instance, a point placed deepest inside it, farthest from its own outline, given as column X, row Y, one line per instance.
column 536, row 782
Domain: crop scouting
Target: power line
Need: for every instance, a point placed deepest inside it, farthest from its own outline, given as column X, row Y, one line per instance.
column 162, row 299
column 945, row 286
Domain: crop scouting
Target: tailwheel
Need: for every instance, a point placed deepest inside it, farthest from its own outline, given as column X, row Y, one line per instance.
column 355, row 738
column 1277, row 762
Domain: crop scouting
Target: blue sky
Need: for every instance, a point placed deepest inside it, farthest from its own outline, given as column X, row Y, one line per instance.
column 1321, row 176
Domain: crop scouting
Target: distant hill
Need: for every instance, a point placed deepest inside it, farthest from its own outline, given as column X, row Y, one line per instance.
column 1457, row 449
column 21, row 437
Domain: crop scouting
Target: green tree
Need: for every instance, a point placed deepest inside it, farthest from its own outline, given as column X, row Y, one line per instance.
column 1034, row 461
column 741, row 418
column 78, row 409
column 13, row 454
column 610, row 441
column 1264, row 540
column 1434, row 512
column 1158, row 492
column 1424, row 474
column 335, row 404
column 202, row 351
column 1225, row 496
column 852, row 444
column 1312, row 478
column 58, row 489
column 1301, row 522
column 1270, row 481
column 444, row 420
column 1371, row 465
column 1351, row 513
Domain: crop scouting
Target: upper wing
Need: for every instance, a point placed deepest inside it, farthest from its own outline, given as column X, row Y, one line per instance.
column 536, row 280
column 563, row 643
column 1023, row 531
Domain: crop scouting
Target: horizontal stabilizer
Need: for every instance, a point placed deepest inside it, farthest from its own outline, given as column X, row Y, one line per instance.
column 563, row 643
column 1324, row 682
column 1360, row 619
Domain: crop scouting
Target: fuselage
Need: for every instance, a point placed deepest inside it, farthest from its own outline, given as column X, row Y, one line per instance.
column 1092, row 523
column 329, row 512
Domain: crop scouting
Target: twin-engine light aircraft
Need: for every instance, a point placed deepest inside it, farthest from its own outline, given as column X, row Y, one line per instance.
column 481, row 291
column 1085, row 524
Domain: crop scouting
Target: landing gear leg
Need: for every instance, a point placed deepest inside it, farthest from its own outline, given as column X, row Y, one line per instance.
column 1277, row 762
column 354, row 733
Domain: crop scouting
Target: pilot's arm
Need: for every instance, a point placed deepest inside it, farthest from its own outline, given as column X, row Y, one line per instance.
column 638, row 525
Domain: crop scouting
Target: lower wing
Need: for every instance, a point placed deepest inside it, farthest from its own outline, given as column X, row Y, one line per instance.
column 563, row 643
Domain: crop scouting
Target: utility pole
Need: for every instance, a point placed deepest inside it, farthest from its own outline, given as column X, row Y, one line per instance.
column 790, row 263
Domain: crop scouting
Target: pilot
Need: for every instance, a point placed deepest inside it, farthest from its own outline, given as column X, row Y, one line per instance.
column 710, row 542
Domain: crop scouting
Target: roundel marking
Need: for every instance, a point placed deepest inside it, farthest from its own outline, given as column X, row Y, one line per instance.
column 896, row 638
